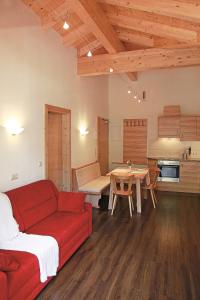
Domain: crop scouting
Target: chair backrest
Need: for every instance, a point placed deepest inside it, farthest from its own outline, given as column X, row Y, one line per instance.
column 153, row 174
column 121, row 184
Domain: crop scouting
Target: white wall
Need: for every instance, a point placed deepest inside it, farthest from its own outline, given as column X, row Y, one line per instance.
column 37, row 69
column 163, row 87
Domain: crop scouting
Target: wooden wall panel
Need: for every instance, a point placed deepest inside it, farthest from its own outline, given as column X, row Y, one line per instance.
column 135, row 141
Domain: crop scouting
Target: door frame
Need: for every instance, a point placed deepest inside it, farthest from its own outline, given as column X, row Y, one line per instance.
column 61, row 111
column 98, row 120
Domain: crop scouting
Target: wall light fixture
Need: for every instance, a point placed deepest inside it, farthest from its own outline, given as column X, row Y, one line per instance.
column 13, row 127
column 83, row 131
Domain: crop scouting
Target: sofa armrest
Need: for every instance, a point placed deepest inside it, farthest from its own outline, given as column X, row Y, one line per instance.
column 71, row 202
column 88, row 207
column 4, row 286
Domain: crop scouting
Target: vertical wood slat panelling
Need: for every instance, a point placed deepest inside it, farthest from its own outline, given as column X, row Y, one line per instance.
column 135, row 140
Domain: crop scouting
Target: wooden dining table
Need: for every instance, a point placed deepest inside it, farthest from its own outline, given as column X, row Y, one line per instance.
column 140, row 175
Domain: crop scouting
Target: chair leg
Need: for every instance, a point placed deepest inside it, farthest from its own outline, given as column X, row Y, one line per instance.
column 130, row 206
column 132, row 203
column 114, row 204
column 152, row 198
column 155, row 198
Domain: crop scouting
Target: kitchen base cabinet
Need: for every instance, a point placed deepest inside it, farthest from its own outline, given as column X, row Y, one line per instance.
column 189, row 179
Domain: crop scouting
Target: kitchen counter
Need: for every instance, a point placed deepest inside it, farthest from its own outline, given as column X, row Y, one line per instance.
column 163, row 158
column 192, row 159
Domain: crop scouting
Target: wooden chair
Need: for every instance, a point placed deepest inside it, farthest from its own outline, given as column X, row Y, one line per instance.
column 122, row 186
column 153, row 174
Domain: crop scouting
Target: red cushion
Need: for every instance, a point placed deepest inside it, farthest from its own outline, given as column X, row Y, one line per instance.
column 61, row 225
column 3, row 286
column 71, row 202
column 8, row 262
column 33, row 202
column 28, row 268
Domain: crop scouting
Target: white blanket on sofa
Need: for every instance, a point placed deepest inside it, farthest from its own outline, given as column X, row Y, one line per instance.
column 44, row 247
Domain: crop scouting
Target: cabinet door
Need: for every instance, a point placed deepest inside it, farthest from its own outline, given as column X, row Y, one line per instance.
column 190, row 177
column 188, row 128
column 169, row 126
column 198, row 128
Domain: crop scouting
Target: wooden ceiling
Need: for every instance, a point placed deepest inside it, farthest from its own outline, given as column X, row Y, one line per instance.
column 126, row 36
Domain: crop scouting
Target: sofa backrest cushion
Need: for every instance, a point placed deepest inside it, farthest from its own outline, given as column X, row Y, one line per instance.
column 33, row 202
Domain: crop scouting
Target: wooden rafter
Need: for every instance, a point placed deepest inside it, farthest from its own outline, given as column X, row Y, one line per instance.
column 148, row 40
column 139, row 60
column 70, row 38
column 149, row 23
column 189, row 10
column 92, row 15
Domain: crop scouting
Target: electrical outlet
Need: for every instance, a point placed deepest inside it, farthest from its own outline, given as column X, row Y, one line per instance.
column 39, row 164
column 14, row 176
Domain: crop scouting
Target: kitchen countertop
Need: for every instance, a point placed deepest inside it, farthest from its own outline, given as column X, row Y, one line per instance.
column 192, row 159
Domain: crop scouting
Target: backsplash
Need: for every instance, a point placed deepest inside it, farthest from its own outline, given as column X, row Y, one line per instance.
column 172, row 147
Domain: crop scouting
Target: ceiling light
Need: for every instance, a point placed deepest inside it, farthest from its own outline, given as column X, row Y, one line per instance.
column 66, row 25
column 111, row 70
column 89, row 54
column 129, row 92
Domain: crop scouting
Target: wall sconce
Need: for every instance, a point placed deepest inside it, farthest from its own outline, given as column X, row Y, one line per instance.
column 83, row 131
column 13, row 127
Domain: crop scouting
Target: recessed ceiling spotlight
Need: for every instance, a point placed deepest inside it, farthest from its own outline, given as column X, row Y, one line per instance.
column 129, row 91
column 89, row 54
column 111, row 70
column 66, row 25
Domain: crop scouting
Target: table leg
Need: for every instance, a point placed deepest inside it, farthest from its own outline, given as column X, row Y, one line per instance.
column 138, row 195
column 110, row 198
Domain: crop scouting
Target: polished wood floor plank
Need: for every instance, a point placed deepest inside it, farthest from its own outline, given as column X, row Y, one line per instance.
column 153, row 256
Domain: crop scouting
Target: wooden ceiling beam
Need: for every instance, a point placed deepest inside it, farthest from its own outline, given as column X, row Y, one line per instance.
column 163, row 26
column 92, row 46
column 188, row 10
column 91, row 14
column 138, row 60
column 161, row 30
column 71, row 38
column 148, row 40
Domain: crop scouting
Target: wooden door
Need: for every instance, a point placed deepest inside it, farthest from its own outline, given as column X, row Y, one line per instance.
column 169, row 126
column 188, row 128
column 103, row 144
column 135, row 141
column 58, row 147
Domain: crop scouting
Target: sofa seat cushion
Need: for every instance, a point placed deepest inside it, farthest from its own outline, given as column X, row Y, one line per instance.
column 61, row 225
column 28, row 268
column 33, row 202
column 96, row 186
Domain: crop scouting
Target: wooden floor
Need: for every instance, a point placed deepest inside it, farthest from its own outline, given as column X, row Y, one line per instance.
column 154, row 256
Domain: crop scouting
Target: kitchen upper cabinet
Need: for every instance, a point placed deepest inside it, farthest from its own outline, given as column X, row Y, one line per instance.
column 188, row 130
column 169, row 126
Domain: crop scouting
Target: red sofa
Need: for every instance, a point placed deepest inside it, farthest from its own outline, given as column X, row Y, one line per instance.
column 35, row 207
